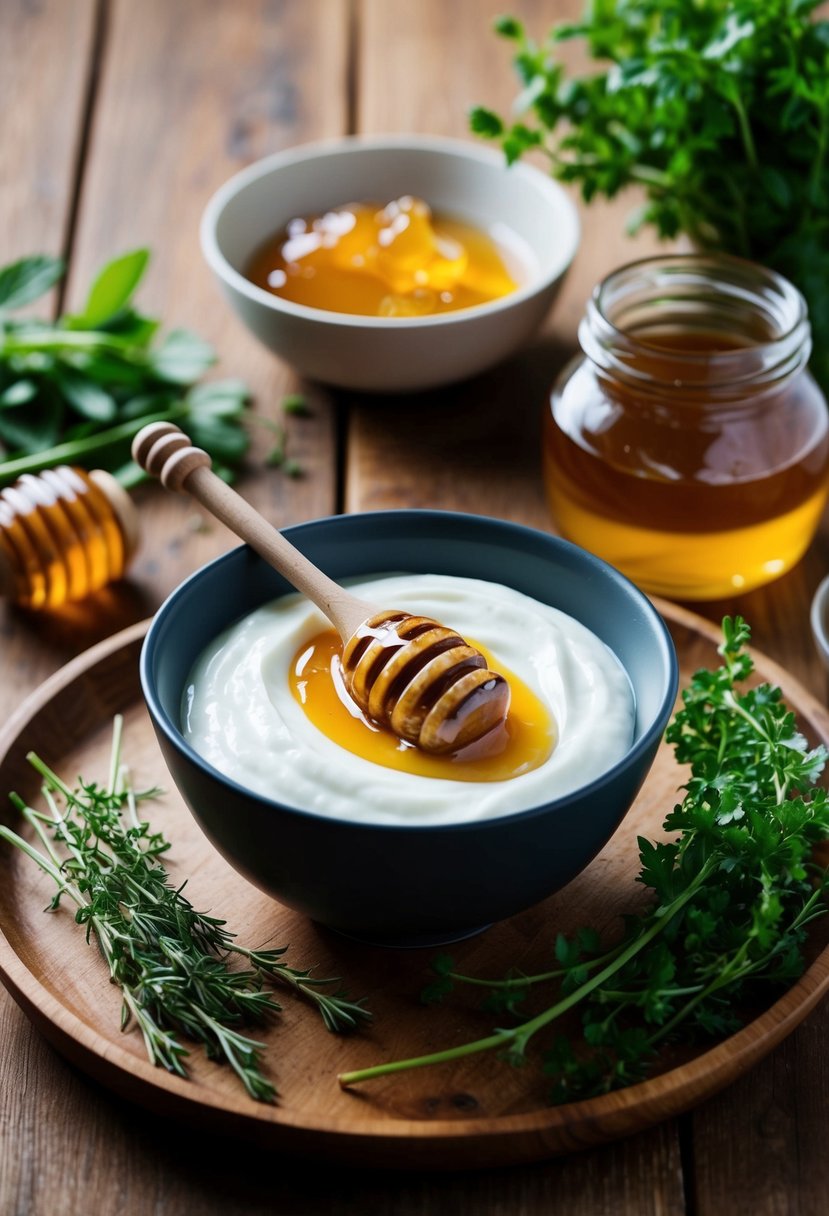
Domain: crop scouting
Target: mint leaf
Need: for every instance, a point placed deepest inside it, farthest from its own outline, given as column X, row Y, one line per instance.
column 86, row 398
column 219, row 398
column 27, row 280
column 112, row 290
column 182, row 357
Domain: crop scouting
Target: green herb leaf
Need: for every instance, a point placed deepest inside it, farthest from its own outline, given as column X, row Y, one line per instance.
column 31, row 426
column 182, row 357
column 718, row 110
column 297, row 404
column 508, row 27
column 219, row 436
column 219, row 398
column 86, row 397
column 111, row 290
column 485, row 122
column 91, row 381
column 18, row 393
column 27, row 280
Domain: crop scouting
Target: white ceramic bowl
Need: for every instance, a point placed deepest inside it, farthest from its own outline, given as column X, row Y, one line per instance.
column 385, row 354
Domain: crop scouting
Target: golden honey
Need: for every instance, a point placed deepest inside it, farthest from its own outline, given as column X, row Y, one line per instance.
column 524, row 742
column 394, row 261
column 689, row 446
column 63, row 534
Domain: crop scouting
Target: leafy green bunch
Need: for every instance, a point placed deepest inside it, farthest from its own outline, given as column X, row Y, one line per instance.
column 171, row 963
column 77, row 391
column 733, row 891
column 719, row 109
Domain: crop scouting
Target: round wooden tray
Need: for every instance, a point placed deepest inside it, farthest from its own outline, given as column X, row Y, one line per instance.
column 476, row 1112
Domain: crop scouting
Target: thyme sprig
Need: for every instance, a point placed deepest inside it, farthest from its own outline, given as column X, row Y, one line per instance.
column 170, row 961
column 733, row 893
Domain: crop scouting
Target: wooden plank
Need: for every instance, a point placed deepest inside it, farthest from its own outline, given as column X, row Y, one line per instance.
column 46, row 55
column 772, row 1160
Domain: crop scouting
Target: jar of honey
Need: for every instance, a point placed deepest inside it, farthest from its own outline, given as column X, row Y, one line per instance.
column 688, row 445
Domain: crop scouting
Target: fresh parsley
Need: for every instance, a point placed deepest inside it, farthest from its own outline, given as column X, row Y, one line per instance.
column 733, row 892
column 718, row 109
column 170, row 962
column 77, row 391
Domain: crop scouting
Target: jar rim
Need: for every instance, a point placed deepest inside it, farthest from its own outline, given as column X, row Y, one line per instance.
column 730, row 280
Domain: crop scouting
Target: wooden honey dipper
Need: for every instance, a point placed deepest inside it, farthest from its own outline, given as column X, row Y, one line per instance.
column 407, row 673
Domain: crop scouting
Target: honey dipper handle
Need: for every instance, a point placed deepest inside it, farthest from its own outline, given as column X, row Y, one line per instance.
column 164, row 451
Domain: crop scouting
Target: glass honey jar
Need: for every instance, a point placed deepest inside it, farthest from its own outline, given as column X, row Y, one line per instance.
column 688, row 445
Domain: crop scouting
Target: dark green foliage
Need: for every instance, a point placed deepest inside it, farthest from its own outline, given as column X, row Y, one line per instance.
column 732, row 893
column 79, row 390
column 719, row 109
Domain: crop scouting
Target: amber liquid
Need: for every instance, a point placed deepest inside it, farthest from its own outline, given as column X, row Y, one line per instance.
column 525, row 741
column 60, row 538
column 688, row 500
column 393, row 261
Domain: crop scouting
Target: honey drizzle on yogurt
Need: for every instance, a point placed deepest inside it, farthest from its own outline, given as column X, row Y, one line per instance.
column 524, row 742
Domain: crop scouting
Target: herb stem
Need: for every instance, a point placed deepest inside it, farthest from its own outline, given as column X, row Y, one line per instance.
column 75, row 450
column 745, row 131
column 31, row 341
column 9, row 835
column 526, row 1030
column 115, row 752
column 168, row 960
column 522, row 981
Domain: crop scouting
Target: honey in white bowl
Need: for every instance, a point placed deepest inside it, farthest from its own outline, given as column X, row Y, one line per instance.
column 397, row 260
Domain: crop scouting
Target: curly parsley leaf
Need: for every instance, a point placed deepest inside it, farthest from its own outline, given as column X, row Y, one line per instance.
column 733, row 891
column 717, row 109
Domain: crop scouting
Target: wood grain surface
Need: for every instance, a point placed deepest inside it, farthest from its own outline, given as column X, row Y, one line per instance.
column 117, row 121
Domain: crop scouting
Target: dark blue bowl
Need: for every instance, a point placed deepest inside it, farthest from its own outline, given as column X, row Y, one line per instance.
column 404, row 885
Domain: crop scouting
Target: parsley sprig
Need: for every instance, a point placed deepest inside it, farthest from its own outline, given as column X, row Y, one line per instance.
column 170, row 961
column 718, row 109
column 78, row 390
column 733, row 893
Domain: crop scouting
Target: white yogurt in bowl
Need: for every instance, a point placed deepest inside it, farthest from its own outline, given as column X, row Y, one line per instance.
column 240, row 715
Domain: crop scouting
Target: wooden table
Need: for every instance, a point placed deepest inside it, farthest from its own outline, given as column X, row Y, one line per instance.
column 118, row 121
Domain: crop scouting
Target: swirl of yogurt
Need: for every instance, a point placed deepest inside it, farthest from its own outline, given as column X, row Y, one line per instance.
column 240, row 716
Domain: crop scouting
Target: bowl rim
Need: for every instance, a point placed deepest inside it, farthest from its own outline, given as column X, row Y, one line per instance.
column 817, row 620
column 343, row 146
column 555, row 807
